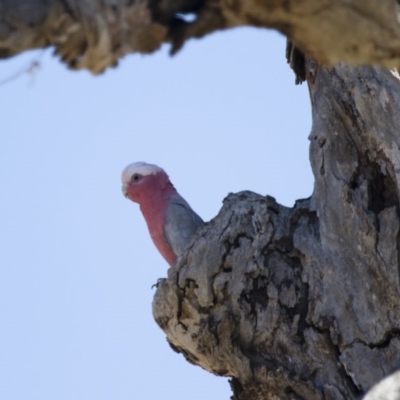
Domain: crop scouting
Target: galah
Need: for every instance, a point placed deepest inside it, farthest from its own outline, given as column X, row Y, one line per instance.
column 170, row 219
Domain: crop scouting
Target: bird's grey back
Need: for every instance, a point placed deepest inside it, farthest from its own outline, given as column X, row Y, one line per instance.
column 181, row 222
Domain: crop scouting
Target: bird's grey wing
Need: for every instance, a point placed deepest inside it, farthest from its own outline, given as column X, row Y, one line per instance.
column 181, row 222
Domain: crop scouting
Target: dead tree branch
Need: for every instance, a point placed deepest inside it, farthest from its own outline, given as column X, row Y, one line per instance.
column 304, row 302
column 95, row 34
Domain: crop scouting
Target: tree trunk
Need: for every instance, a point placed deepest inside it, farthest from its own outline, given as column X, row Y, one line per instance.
column 94, row 34
column 304, row 302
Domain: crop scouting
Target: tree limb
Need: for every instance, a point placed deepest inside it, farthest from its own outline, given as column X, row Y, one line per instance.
column 94, row 34
column 304, row 301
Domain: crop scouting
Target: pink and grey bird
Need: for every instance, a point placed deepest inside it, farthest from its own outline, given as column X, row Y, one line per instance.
column 170, row 219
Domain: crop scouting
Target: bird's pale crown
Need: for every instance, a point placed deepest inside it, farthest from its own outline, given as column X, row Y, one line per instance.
column 141, row 168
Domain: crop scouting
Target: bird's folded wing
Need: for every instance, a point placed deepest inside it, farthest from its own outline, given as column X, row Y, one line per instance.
column 181, row 222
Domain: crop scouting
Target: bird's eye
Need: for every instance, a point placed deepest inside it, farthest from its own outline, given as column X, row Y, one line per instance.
column 136, row 178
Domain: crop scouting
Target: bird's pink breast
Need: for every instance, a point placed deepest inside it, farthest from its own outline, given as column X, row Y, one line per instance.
column 153, row 204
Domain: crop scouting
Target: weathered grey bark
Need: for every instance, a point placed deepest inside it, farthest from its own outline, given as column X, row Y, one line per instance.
column 304, row 302
column 94, row 34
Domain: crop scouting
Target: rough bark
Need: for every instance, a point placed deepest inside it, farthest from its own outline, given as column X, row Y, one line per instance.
column 304, row 302
column 94, row 34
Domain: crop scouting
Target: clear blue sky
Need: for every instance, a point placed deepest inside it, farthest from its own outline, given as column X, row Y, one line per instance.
column 77, row 263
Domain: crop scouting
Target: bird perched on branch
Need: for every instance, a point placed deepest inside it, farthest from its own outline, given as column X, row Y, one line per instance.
column 170, row 219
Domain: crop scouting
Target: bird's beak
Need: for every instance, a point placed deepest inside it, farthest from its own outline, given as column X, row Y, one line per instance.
column 125, row 189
